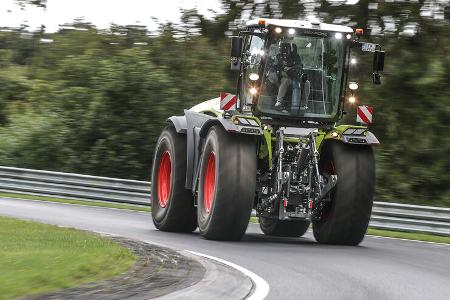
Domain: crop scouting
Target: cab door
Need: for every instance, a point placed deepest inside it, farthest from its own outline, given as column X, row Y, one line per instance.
column 251, row 71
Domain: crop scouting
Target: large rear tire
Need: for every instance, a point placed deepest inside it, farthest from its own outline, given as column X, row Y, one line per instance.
column 284, row 228
column 227, row 183
column 346, row 217
column 172, row 204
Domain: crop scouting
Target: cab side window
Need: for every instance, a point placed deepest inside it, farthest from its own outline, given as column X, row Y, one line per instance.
column 254, row 55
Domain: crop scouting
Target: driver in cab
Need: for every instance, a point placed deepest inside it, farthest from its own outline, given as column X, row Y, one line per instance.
column 288, row 67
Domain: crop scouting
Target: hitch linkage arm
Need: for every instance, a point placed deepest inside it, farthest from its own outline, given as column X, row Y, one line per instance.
column 332, row 180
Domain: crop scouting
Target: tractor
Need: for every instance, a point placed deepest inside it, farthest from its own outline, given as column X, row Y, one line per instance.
column 273, row 148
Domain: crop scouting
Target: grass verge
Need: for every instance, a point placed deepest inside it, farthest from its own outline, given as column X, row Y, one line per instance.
column 73, row 201
column 37, row 258
column 417, row 236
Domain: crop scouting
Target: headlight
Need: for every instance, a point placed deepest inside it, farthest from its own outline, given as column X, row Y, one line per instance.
column 353, row 86
column 253, row 76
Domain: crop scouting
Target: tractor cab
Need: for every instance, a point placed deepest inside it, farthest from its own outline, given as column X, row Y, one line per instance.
column 293, row 70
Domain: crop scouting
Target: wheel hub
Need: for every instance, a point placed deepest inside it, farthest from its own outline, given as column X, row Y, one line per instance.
column 164, row 175
column 209, row 182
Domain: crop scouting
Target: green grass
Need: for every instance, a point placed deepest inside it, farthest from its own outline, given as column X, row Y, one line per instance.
column 410, row 236
column 73, row 201
column 37, row 258
column 254, row 220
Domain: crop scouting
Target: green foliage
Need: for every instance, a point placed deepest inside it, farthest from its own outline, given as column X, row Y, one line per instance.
column 95, row 101
column 96, row 104
column 38, row 258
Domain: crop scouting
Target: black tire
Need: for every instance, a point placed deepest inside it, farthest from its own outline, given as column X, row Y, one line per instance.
column 229, row 186
column 284, row 228
column 174, row 209
column 345, row 219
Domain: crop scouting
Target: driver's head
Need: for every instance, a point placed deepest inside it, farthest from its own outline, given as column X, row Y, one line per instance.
column 285, row 49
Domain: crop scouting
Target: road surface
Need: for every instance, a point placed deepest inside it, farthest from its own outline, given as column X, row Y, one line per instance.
column 294, row 268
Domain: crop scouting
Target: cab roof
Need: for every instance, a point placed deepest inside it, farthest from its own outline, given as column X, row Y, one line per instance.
column 302, row 24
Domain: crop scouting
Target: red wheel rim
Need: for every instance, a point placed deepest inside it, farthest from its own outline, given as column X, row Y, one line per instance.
column 209, row 184
column 164, row 174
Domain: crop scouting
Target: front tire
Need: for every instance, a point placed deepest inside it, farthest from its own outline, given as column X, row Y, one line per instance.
column 172, row 204
column 283, row 228
column 346, row 217
column 226, row 185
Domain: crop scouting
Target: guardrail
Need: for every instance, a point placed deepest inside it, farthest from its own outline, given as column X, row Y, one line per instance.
column 385, row 215
column 83, row 187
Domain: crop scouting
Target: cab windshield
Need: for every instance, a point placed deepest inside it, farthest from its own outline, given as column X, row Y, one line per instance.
column 302, row 76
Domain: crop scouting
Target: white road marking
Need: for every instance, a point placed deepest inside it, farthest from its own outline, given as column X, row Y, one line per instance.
column 261, row 286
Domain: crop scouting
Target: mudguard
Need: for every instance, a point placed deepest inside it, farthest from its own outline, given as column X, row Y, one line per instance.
column 179, row 122
column 235, row 124
column 195, row 126
column 349, row 134
column 195, row 122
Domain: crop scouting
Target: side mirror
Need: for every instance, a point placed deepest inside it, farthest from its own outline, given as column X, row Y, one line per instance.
column 236, row 46
column 378, row 61
column 378, row 66
column 236, row 53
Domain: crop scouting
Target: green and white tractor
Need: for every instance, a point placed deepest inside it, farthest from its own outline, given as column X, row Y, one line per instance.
column 273, row 147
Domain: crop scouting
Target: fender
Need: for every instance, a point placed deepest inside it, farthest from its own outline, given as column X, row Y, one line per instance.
column 179, row 122
column 195, row 122
column 197, row 127
column 349, row 134
column 236, row 124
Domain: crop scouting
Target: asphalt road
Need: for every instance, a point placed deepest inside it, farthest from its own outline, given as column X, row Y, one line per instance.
column 379, row 268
